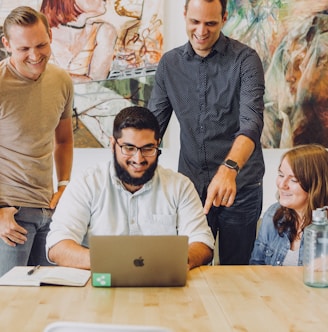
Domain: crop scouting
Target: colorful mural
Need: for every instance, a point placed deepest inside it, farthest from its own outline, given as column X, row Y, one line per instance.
column 98, row 40
column 111, row 50
column 121, row 42
column 291, row 38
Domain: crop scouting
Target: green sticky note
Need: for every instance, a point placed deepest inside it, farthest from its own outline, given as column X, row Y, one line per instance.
column 101, row 280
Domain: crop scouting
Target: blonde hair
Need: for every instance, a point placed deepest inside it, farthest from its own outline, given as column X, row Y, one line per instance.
column 24, row 16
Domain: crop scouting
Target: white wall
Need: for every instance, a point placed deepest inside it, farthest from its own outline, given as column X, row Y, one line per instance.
column 174, row 35
column 84, row 158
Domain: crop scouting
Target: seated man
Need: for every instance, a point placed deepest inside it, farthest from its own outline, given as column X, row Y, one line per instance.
column 129, row 195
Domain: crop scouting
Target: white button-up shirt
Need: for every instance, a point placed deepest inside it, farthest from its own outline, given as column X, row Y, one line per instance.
column 97, row 203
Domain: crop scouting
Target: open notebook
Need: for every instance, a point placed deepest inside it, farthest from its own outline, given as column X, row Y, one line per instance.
column 45, row 275
column 138, row 261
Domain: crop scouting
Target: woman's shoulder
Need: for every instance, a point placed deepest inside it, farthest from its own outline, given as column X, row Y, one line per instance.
column 272, row 209
column 104, row 29
column 269, row 213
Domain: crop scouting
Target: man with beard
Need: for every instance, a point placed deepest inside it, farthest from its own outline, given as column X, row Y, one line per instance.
column 130, row 195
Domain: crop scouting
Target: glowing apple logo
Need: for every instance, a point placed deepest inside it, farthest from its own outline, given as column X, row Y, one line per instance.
column 139, row 262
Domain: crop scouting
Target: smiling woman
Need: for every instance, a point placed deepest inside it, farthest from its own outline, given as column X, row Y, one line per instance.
column 302, row 184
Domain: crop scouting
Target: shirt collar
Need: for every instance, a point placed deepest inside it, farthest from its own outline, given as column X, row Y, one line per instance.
column 15, row 72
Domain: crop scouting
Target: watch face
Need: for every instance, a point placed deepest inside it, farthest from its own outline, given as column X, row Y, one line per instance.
column 231, row 163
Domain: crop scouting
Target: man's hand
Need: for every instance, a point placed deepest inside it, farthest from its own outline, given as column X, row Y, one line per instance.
column 222, row 189
column 10, row 232
column 198, row 254
column 56, row 196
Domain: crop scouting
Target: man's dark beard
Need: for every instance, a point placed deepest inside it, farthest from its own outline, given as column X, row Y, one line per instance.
column 125, row 177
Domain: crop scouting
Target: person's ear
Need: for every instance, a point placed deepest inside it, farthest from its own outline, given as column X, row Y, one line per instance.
column 112, row 143
column 225, row 17
column 50, row 35
column 6, row 43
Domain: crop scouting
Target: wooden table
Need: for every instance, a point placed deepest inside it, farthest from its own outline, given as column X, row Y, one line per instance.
column 267, row 298
column 219, row 298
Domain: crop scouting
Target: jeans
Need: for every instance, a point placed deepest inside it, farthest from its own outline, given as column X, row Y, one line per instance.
column 236, row 225
column 32, row 252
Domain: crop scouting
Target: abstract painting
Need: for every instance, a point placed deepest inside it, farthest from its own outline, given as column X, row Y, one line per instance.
column 291, row 37
column 110, row 49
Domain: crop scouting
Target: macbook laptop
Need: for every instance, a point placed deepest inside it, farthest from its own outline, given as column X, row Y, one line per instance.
column 138, row 261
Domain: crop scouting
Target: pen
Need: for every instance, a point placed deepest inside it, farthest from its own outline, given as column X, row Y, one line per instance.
column 33, row 270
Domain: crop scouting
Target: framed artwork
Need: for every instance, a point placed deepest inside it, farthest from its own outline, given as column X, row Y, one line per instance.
column 291, row 38
column 110, row 49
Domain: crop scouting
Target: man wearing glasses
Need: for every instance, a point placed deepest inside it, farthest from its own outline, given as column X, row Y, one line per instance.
column 130, row 195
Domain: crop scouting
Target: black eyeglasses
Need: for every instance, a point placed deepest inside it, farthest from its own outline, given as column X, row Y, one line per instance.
column 146, row 151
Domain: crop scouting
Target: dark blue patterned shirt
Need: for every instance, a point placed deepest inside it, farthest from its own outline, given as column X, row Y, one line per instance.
column 215, row 98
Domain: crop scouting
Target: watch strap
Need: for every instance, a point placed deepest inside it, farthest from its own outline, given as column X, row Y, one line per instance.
column 231, row 164
column 62, row 183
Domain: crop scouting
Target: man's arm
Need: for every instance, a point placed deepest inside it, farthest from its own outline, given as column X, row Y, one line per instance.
column 199, row 254
column 222, row 189
column 159, row 103
column 63, row 155
column 69, row 253
column 192, row 222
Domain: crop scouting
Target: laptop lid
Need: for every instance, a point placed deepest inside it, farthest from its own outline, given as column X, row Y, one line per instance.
column 138, row 261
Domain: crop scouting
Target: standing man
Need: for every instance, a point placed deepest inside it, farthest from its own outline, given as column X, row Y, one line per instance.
column 215, row 86
column 35, row 126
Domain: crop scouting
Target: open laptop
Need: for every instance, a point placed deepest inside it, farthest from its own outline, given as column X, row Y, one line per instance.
column 138, row 261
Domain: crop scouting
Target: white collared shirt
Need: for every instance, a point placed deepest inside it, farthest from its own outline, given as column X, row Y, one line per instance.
column 97, row 203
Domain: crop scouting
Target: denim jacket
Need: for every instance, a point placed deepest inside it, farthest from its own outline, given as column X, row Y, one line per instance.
column 270, row 248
